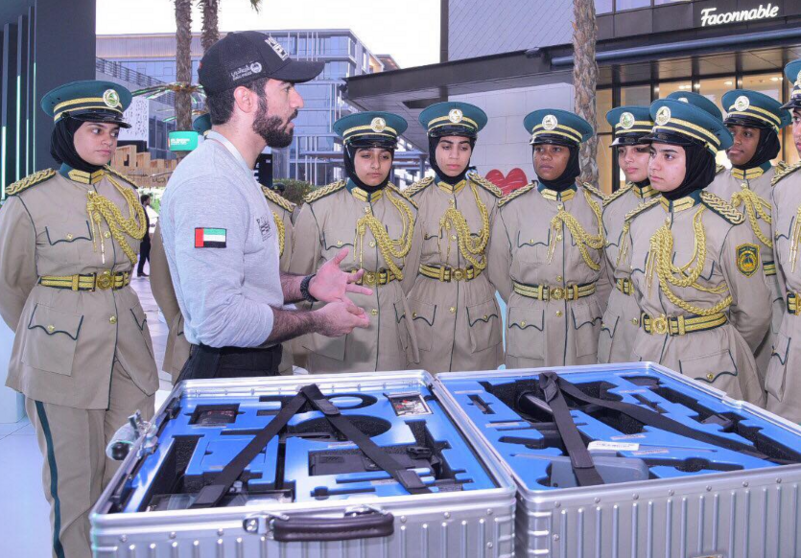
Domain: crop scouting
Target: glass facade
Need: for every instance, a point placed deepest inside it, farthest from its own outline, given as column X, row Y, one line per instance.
column 609, row 6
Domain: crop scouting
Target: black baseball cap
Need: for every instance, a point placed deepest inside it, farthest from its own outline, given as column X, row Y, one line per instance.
column 239, row 58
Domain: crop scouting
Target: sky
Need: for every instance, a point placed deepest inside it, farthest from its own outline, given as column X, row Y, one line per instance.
column 406, row 29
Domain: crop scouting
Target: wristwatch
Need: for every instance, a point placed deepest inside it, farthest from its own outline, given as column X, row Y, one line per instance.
column 304, row 288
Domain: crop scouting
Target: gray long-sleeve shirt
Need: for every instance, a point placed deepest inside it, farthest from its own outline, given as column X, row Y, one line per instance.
column 222, row 248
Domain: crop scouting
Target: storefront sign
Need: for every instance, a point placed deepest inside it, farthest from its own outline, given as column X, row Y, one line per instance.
column 712, row 16
column 183, row 141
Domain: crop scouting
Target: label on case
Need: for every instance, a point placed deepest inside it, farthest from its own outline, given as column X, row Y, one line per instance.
column 613, row 446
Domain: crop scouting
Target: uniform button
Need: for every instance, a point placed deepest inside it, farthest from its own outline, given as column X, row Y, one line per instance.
column 372, row 244
column 374, row 312
column 710, row 376
column 776, row 235
column 744, row 185
column 560, row 205
column 558, row 313
column 635, row 321
column 558, row 278
column 414, row 314
column 452, row 309
column 106, row 234
column 367, row 210
column 485, row 317
column 667, row 220
column 69, row 237
column 112, row 320
column 522, row 324
column 453, row 237
column 531, row 241
column 51, row 328
column 558, row 237
column 339, row 243
column 452, row 202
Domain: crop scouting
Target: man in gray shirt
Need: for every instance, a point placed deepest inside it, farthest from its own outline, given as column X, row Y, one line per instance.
column 218, row 232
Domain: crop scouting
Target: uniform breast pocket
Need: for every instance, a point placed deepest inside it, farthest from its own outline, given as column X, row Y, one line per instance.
column 140, row 320
column 403, row 330
column 777, row 370
column 63, row 243
column 525, row 335
column 485, row 328
column 587, row 323
column 423, row 317
column 717, row 368
column 51, row 339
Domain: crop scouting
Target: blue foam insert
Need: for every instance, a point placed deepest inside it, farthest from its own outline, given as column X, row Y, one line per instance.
column 668, row 455
column 217, row 445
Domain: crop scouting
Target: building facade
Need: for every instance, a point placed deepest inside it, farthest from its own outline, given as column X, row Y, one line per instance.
column 315, row 154
column 513, row 56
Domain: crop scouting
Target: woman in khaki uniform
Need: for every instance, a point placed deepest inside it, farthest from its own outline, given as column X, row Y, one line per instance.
column 622, row 317
column 82, row 353
column 177, row 351
column 369, row 215
column 783, row 380
column 695, row 266
column 546, row 252
column 454, row 312
column 754, row 121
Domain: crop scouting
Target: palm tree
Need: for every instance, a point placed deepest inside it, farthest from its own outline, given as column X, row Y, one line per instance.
column 183, row 63
column 210, row 32
column 585, row 80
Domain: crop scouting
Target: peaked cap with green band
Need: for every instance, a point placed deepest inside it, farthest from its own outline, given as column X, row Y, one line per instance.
column 88, row 101
column 630, row 123
column 557, row 126
column 453, row 119
column 373, row 128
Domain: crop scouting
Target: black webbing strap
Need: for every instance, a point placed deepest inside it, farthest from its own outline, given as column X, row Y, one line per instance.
column 657, row 420
column 211, row 494
column 580, row 457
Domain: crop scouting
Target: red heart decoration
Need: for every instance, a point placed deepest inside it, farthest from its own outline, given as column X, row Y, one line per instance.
column 509, row 183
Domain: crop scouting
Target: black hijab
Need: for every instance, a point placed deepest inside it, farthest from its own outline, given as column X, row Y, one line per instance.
column 62, row 146
column 700, row 167
column 571, row 172
column 350, row 169
column 433, row 142
column 767, row 148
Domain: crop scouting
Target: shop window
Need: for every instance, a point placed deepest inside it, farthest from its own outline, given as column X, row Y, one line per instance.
column 769, row 84
column 713, row 89
column 622, row 5
column 666, row 88
column 638, row 95
column 603, row 6
column 603, row 104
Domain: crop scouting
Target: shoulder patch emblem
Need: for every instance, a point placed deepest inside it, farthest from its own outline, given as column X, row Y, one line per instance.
column 593, row 190
column 784, row 172
column 30, row 180
column 748, row 259
column 419, row 186
column 278, row 199
column 517, row 193
column 615, row 195
column 320, row 193
column 722, row 207
column 486, row 184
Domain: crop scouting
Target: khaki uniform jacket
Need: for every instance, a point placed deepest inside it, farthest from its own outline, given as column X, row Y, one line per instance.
column 458, row 323
column 622, row 317
column 734, row 190
column 554, row 332
column 723, row 356
column 329, row 221
column 783, row 380
column 177, row 351
column 66, row 341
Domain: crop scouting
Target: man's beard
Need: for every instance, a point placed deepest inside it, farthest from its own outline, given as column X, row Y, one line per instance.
column 272, row 129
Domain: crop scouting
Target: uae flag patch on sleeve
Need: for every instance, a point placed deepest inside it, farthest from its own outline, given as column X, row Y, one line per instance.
column 210, row 238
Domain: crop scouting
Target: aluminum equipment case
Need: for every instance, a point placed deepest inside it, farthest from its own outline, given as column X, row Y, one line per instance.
column 663, row 494
column 310, row 492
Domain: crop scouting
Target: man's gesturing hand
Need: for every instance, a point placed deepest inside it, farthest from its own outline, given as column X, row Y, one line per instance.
column 340, row 318
column 331, row 283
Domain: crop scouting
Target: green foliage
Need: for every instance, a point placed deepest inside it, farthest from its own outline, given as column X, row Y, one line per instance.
column 295, row 190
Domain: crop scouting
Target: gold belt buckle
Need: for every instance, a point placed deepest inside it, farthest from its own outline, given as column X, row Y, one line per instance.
column 659, row 325
column 369, row 278
column 557, row 293
column 793, row 299
column 104, row 281
column 458, row 274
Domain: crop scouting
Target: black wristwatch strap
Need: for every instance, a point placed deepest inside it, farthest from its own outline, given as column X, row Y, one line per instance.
column 304, row 288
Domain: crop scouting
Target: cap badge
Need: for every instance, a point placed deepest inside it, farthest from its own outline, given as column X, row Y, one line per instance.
column 742, row 103
column 378, row 124
column 276, row 46
column 550, row 122
column 663, row 116
column 684, row 100
column 111, row 98
column 626, row 120
column 455, row 115
column 255, row 67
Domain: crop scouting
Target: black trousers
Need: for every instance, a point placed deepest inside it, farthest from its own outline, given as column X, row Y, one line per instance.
column 144, row 255
column 230, row 362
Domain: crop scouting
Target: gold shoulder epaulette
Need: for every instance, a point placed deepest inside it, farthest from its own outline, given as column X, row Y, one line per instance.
column 719, row 169
column 118, row 174
column 418, row 186
column 324, row 191
column 278, row 199
column 403, row 193
column 640, row 208
column 780, row 166
column 486, row 184
column 30, row 180
column 593, row 190
column 722, row 207
column 786, row 171
column 615, row 195
column 517, row 193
